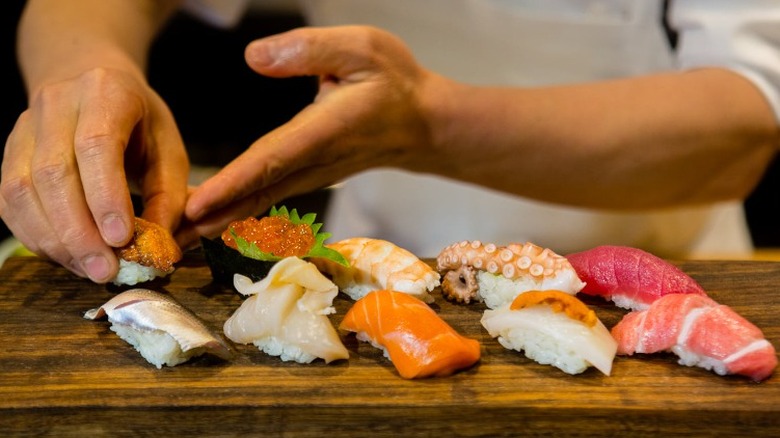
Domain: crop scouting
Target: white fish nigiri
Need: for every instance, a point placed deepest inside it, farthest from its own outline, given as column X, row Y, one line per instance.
column 286, row 314
column 376, row 264
column 553, row 328
column 158, row 327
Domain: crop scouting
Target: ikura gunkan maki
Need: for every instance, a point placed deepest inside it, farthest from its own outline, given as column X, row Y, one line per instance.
column 253, row 245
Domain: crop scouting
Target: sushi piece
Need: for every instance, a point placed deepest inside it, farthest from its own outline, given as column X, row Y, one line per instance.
column 630, row 277
column 158, row 327
column 286, row 314
column 495, row 275
column 415, row 339
column 151, row 253
column 375, row 264
column 252, row 246
column 553, row 328
column 701, row 333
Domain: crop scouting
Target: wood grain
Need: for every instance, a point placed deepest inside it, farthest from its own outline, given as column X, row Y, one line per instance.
column 62, row 375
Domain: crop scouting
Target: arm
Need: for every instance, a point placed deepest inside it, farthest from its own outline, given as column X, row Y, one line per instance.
column 654, row 141
column 92, row 125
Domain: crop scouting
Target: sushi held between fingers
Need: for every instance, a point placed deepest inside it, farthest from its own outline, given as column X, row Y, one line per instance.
column 494, row 274
column 630, row 277
column 415, row 339
column 158, row 327
column 376, row 264
column 286, row 314
column 151, row 253
column 701, row 333
column 553, row 328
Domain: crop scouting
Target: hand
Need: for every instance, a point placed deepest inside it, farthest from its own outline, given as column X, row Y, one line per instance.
column 64, row 191
column 368, row 113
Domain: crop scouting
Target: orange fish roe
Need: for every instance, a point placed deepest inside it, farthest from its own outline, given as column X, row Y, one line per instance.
column 559, row 301
column 275, row 235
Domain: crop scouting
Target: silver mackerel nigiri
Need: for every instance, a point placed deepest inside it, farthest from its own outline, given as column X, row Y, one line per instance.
column 158, row 327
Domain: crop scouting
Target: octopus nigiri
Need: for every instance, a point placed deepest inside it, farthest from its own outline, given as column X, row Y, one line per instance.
column 158, row 327
column 413, row 336
column 376, row 264
column 286, row 314
column 494, row 274
column 553, row 328
column 630, row 277
column 701, row 332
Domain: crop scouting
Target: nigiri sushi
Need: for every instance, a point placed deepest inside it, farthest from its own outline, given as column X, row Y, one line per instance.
column 151, row 253
column 497, row 274
column 376, row 264
column 630, row 277
column 701, row 333
column 158, row 327
column 553, row 328
column 412, row 335
column 286, row 314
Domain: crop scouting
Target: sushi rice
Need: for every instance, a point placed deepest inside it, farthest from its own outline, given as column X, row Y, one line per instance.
column 497, row 290
column 156, row 346
column 132, row 273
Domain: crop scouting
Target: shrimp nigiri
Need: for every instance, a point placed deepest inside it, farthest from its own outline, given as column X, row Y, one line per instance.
column 415, row 339
column 630, row 277
column 701, row 333
column 376, row 264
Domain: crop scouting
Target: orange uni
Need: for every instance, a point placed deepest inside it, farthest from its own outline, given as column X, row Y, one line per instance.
column 559, row 301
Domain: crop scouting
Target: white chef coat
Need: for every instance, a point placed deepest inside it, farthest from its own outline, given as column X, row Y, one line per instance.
column 535, row 43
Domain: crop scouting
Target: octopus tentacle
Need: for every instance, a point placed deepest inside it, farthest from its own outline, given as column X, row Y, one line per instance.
column 526, row 261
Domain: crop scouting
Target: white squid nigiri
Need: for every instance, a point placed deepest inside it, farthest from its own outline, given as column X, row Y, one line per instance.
column 286, row 314
column 553, row 328
column 158, row 327
column 376, row 264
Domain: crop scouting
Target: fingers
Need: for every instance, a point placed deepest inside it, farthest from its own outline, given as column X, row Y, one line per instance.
column 342, row 52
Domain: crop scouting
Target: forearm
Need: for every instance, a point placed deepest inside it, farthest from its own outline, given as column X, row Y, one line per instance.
column 60, row 39
column 651, row 142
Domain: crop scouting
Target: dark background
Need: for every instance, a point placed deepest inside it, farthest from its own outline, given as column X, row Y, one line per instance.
column 222, row 106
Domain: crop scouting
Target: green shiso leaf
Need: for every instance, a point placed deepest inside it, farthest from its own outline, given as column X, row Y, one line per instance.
column 319, row 249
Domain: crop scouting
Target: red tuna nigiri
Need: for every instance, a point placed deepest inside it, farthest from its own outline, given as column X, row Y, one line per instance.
column 701, row 333
column 414, row 337
column 630, row 277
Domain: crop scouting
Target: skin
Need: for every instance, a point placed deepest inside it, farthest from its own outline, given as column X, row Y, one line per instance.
column 672, row 139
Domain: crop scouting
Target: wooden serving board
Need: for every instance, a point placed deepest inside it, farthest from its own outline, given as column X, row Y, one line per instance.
column 62, row 375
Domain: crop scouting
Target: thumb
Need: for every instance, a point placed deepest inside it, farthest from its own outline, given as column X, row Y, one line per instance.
column 323, row 51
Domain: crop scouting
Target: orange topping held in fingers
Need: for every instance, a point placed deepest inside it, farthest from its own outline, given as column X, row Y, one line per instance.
column 559, row 301
column 276, row 235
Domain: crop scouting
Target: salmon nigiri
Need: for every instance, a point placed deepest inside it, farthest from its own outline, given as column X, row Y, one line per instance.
column 701, row 333
column 417, row 341
column 630, row 277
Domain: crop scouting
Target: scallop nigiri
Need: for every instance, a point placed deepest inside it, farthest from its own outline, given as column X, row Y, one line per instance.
column 630, row 277
column 553, row 328
column 413, row 336
column 286, row 314
column 158, row 327
column 701, row 333
column 376, row 264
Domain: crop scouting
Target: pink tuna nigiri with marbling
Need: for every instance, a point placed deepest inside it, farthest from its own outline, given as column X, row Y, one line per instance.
column 701, row 332
column 630, row 277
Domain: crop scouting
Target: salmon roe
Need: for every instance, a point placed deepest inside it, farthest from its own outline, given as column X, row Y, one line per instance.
column 275, row 235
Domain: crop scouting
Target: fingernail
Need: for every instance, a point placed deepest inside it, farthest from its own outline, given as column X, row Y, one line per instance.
column 115, row 230
column 96, row 267
column 257, row 53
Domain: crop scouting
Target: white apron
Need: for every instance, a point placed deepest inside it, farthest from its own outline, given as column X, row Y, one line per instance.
column 525, row 43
